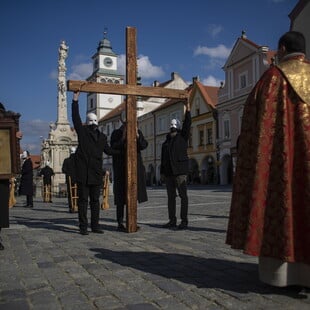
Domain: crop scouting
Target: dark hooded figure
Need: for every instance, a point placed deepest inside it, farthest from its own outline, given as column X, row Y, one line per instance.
column 118, row 142
column 47, row 172
column 68, row 168
column 175, row 167
column 89, row 164
column 26, row 181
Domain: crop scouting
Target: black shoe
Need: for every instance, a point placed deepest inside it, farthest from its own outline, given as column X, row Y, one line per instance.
column 83, row 232
column 97, row 231
column 121, row 227
column 183, row 225
column 30, row 206
column 1, row 246
column 170, row 224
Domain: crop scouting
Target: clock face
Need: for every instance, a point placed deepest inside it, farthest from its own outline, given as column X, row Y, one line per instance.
column 108, row 62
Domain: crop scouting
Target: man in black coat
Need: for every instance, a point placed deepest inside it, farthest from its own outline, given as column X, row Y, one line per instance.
column 26, row 181
column 89, row 164
column 118, row 142
column 68, row 167
column 174, row 168
column 47, row 172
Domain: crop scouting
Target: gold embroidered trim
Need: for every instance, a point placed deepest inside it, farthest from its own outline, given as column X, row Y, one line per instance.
column 298, row 74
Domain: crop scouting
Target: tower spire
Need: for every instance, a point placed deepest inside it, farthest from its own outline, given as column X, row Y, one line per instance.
column 105, row 32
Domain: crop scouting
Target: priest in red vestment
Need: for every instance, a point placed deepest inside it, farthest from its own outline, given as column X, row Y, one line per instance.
column 270, row 207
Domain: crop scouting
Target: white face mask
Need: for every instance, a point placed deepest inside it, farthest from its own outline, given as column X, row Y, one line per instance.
column 91, row 119
column 24, row 155
column 175, row 123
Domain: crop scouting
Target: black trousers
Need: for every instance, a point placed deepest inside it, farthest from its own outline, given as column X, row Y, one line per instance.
column 69, row 194
column 93, row 193
column 120, row 213
column 4, row 203
column 29, row 200
column 174, row 184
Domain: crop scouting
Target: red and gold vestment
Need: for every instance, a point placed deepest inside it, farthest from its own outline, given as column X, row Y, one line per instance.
column 270, row 207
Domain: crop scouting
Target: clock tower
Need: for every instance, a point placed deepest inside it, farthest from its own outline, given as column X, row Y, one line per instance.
column 104, row 71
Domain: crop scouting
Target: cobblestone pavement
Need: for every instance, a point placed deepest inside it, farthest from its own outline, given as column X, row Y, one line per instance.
column 47, row 264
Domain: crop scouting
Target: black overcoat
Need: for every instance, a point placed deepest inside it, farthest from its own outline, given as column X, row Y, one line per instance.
column 47, row 173
column 4, row 203
column 119, row 167
column 68, row 167
column 174, row 158
column 89, row 153
column 26, row 181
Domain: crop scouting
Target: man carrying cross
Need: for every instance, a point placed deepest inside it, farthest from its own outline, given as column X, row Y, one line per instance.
column 89, row 172
column 131, row 90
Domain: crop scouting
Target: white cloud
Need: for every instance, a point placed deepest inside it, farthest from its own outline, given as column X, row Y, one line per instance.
column 221, row 51
column 146, row 70
column 32, row 148
column 211, row 81
column 32, row 131
column 81, row 71
column 35, row 126
column 214, row 30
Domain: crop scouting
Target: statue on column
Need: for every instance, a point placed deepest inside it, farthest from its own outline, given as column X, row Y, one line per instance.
column 45, row 152
column 63, row 54
column 62, row 88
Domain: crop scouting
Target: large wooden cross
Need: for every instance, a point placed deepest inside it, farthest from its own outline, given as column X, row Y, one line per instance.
column 131, row 90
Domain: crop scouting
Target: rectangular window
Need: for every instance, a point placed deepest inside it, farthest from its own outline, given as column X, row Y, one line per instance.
column 226, row 129
column 151, row 129
column 209, row 135
column 161, row 124
column 201, row 137
column 190, row 140
column 243, row 81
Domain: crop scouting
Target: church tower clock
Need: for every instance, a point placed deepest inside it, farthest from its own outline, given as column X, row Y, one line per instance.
column 104, row 71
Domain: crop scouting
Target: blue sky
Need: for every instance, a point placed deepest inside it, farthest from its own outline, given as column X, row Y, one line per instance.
column 191, row 38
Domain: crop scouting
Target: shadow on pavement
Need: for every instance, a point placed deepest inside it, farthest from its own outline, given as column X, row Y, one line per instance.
column 55, row 224
column 189, row 228
column 60, row 224
column 236, row 277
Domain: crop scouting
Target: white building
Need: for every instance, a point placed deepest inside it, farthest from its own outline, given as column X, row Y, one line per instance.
column 105, row 70
column 243, row 68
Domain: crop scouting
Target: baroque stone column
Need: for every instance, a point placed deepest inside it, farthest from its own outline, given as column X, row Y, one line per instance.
column 62, row 87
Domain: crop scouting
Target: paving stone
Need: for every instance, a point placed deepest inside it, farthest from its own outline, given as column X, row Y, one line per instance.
column 47, row 264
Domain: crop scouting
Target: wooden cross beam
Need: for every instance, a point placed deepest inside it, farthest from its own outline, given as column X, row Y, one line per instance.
column 131, row 90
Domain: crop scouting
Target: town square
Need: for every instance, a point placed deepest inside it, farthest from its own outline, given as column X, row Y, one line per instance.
column 142, row 171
